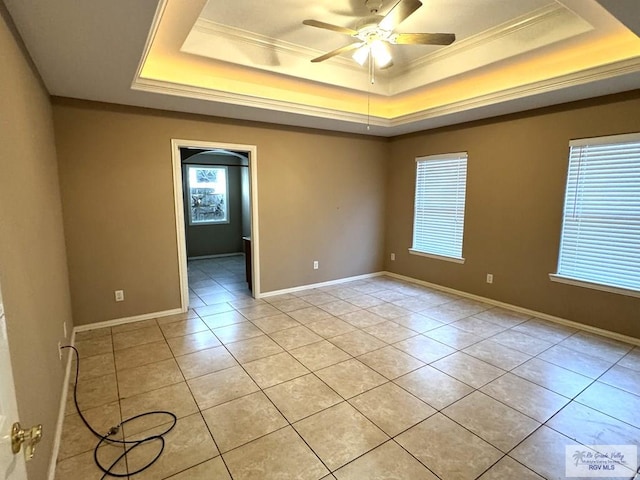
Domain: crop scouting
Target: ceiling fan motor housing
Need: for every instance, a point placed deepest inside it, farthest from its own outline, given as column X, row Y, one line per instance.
column 369, row 29
column 374, row 6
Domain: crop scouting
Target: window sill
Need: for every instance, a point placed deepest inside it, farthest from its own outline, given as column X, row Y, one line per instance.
column 437, row 257
column 594, row 286
column 206, row 224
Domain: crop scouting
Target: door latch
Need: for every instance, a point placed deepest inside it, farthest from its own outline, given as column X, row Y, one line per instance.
column 29, row 437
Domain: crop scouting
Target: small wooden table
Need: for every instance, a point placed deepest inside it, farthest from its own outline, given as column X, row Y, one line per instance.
column 247, row 257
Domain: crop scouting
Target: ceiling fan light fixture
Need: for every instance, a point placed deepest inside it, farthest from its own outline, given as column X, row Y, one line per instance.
column 361, row 54
column 374, row 33
column 381, row 53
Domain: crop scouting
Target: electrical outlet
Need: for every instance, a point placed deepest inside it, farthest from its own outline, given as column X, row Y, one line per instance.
column 393, row 257
column 119, row 295
column 489, row 277
column 315, row 264
column 60, row 350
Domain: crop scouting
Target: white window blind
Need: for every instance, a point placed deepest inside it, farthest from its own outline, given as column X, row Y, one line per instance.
column 601, row 227
column 438, row 221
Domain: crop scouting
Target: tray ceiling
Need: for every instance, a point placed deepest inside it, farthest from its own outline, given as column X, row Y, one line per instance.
column 251, row 60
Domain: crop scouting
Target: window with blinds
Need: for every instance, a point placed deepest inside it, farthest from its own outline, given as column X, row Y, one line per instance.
column 600, row 241
column 438, row 221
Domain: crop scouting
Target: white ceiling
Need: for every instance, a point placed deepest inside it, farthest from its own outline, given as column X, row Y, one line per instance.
column 250, row 59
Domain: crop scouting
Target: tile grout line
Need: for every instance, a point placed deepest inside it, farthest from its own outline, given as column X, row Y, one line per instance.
column 417, row 334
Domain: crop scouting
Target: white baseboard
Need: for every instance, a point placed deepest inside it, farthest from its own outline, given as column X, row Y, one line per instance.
column 561, row 321
column 490, row 301
column 544, row 316
column 120, row 321
column 220, row 255
column 65, row 391
column 321, row 284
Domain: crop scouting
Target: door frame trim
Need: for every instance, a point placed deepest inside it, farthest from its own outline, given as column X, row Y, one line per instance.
column 252, row 150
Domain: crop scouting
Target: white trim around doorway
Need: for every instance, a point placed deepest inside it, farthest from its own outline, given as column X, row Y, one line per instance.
column 252, row 150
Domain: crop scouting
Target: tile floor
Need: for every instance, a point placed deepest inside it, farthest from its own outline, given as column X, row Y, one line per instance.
column 372, row 379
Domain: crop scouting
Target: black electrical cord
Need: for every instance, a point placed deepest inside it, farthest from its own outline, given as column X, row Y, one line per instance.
column 129, row 444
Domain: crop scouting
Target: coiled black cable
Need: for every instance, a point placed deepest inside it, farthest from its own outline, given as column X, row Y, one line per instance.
column 129, row 445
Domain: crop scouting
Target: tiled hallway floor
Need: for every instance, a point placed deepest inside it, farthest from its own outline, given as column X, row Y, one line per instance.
column 373, row 379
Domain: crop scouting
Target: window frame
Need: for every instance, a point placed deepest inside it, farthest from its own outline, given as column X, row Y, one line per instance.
column 564, row 275
column 225, row 220
column 461, row 159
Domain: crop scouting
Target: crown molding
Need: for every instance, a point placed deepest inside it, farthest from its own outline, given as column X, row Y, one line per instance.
column 576, row 79
column 596, row 74
column 151, row 36
column 176, row 89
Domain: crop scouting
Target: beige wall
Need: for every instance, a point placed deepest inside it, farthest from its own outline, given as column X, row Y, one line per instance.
column 515, row 190
column 33, row 267
column 321, row 197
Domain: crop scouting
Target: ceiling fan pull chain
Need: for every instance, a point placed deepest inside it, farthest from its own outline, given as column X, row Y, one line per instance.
column 369, row 93
column 372, row 78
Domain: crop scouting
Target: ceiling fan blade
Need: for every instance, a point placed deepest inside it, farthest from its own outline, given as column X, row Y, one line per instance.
column 423, row 38
column 399, row 13
column 328, row 26
column 338, row 51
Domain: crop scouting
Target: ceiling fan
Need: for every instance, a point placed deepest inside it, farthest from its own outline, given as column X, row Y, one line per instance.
column 374, row 33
